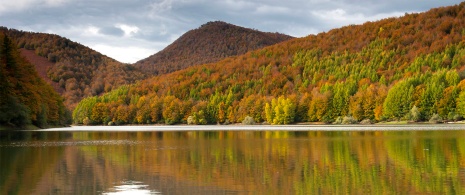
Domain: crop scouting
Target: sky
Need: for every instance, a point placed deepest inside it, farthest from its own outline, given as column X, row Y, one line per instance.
column 131, row 30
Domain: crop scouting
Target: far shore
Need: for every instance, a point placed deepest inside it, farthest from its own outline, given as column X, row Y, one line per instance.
column 293, row 127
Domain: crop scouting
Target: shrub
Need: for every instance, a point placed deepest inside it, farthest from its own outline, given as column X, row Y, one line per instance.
column 435, row 119
column 414, row 114
column 338, row 121
column 190, row 120
column 349, row 120
column 248, row 121
column 111, row 123
column 86, row 121
column 366, row 122
column 452, row 116
column 106, row 120
column 197, row 118
column 327, row 119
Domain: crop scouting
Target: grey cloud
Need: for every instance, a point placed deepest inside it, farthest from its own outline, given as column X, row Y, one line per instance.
column 112, row 31
column 161, row 21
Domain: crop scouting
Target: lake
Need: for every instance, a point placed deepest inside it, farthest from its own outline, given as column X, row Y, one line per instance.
column 235, row 160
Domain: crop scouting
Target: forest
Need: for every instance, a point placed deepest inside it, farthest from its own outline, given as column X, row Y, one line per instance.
column 25, row 98
column 209, row 43
column 77, row 70
column 405, row 68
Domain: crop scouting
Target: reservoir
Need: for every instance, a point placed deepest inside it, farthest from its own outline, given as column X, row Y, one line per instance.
column 405, row 159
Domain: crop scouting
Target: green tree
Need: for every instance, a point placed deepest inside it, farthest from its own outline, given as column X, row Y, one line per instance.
column 399, row 99
column 281, row 111
column 461, row 103
column 12, row 112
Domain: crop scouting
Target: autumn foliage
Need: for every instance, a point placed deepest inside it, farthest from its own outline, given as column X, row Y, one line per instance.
column 76, row 70
column 377, row 71
column 25, row 98
column 210, row 43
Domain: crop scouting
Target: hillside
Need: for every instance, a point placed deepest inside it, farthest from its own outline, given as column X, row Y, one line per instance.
column 42, row 65
column 74, row 70
column 24, row 97
column 211, row 42
column 409, row 68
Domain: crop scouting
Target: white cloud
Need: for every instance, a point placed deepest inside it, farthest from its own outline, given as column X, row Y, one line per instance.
column 129, row 54
column 336, row 14
column 129, row 31
column 91, row 31
column 340, row 17
column 132, row 30
column 299, row 31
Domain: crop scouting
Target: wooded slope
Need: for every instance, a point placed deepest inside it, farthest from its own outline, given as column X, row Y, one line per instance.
column 76, row 69
column 209, row 43
column 25, row 98
column 410, row 68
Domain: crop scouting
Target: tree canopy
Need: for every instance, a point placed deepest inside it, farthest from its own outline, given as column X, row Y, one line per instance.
column 25, row 98
column 378, row 71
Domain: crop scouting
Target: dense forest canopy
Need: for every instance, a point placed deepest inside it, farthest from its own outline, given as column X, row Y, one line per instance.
column 25, row 98
column 76, row 69
column 210, row 43
column 410, row 68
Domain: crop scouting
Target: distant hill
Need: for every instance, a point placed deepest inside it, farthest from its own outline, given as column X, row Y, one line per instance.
column 74, row 70
column 405, row 68
column 25, row 98
column 209, row 43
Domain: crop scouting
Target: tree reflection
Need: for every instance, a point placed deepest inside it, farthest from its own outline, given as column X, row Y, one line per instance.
column 240, row 162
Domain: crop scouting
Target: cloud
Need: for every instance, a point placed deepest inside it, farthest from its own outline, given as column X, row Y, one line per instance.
column 136, row 29
column 268, row 9
column 112, row 31
column 124, row 54
column 91, row 31
column 161, row 5
column 8, row 6
column 128, row 30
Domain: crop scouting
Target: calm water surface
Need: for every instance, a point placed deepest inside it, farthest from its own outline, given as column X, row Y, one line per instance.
column 233, row 162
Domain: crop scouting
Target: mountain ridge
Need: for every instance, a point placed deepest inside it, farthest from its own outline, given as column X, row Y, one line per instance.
column 75, row 70
column 208, row 43
column 391, row 69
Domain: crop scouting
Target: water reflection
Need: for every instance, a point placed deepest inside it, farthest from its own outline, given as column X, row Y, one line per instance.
column 223, row 162
column 130, row 187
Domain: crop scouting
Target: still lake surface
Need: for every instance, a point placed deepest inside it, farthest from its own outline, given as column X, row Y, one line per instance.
column 241, row 160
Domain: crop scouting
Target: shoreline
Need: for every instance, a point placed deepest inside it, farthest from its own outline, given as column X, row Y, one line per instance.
column 297, row 127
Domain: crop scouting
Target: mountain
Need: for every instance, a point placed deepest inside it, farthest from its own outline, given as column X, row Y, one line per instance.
column 74, row 70
column 406, row 68
column 42, row 65
column 25, row 98
column 211, row 42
